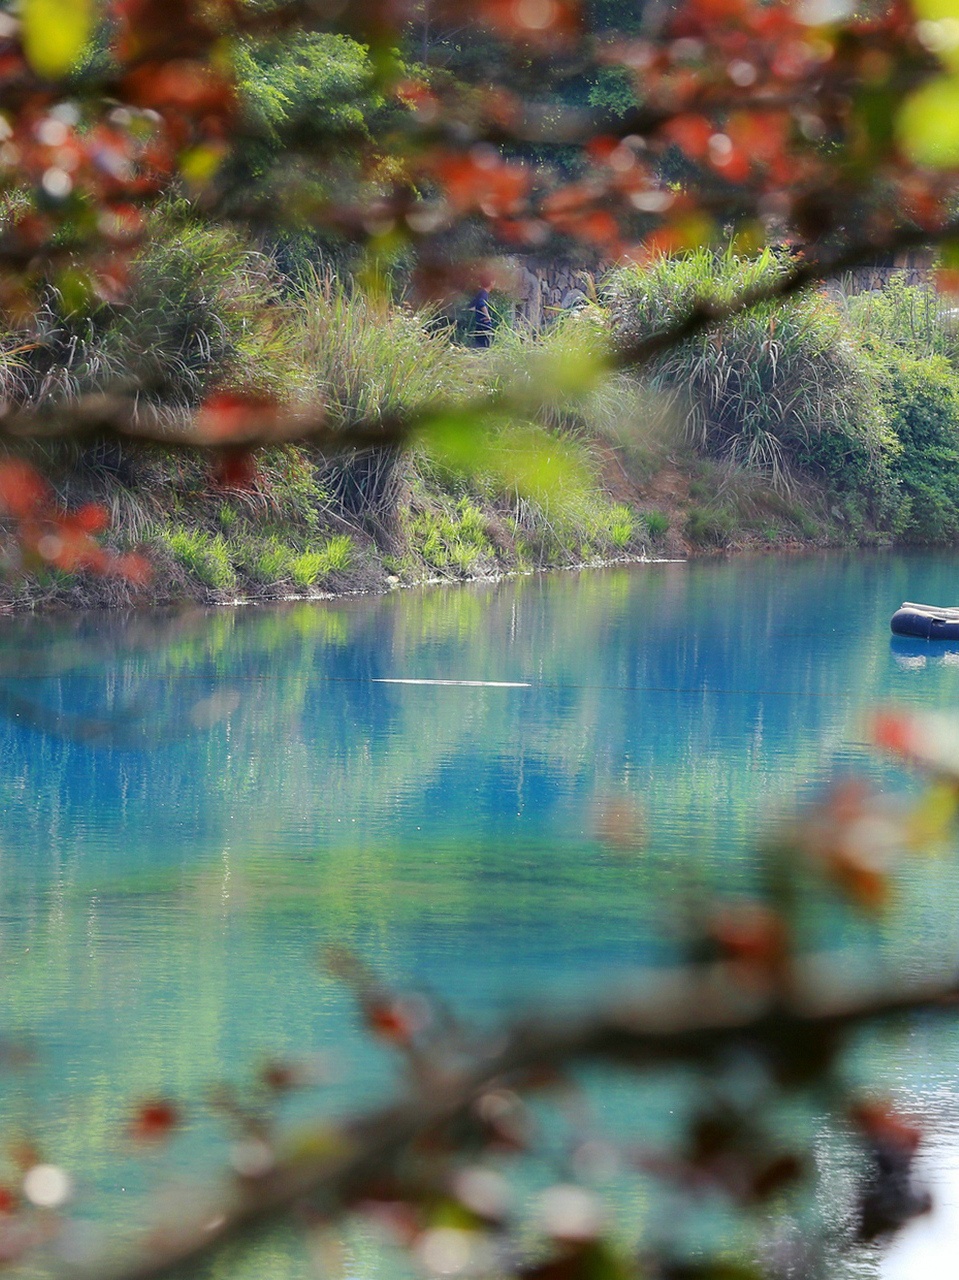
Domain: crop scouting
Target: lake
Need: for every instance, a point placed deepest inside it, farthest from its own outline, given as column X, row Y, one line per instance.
column 196, row 803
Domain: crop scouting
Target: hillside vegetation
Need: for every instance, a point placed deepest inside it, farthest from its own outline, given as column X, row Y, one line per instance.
column 820, row 420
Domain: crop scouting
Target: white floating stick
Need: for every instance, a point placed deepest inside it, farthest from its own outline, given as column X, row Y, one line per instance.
column 469, row 684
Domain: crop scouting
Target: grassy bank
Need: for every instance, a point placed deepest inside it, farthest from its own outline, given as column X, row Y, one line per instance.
column 819, row 421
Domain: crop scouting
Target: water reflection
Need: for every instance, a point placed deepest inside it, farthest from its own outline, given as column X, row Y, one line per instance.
column 565, row 762
column 916, row 655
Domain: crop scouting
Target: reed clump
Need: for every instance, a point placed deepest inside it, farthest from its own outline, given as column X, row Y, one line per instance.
column 784, row 390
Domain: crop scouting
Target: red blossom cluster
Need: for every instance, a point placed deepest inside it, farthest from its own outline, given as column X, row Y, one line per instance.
column 47, row 537
column 784, row 122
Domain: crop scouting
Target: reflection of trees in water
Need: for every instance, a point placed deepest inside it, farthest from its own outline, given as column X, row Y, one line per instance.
column 48, row 664
column 312, row 734
column 617, row 660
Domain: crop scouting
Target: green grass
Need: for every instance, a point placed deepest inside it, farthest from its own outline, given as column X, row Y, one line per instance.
column 334, row 557
column 451, row 538
column 271, row 562
column 206, row 556
column 621, row 526
column 707, row 527
column 657, row 524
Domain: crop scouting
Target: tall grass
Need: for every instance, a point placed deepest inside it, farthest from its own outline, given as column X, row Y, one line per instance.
column 202, row 309
column 781, row 388
column 559, row 375
column 913, row 317
column 365, row 357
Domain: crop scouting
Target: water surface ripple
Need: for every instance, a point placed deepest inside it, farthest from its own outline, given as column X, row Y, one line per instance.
column 195, row 803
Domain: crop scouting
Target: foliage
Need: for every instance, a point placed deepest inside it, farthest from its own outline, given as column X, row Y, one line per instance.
column 914, row 317
column 784, row 388
column 922, row 400
column 293, row 84
column 285, row 81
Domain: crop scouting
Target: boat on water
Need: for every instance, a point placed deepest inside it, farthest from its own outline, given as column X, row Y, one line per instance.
column 926, row 621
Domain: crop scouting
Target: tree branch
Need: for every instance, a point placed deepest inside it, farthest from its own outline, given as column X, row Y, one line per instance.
column 687, row 1017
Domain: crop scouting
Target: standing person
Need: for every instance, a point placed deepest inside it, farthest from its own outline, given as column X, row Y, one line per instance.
column 482, row 317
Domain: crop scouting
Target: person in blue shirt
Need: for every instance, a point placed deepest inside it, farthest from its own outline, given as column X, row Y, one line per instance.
column 482, row 317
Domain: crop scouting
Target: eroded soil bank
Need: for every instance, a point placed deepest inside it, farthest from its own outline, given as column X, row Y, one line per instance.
column 308, row 529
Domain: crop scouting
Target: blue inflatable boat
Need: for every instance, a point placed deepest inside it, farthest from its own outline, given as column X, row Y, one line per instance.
column 926, row 622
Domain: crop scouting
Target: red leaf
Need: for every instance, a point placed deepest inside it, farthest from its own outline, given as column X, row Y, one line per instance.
column 236, row 469
column 136, row 569
column 91, row 518
column 154, row 1120
column 183, row 84
column 389, row 1021
column 893, row 730
column 22, row 490
column 691, row 133
column 752, row 934
column 879, row 1122
column 235, row 415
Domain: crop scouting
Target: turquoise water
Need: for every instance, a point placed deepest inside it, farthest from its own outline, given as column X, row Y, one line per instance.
column 195, row 803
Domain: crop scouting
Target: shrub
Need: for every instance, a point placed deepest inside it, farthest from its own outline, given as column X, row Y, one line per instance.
column 560, row 373
column 782, row 388
column 922, row 399
column 911, row 317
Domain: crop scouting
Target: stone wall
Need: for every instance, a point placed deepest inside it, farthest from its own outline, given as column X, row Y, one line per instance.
column 916, row 267
column 546, row 291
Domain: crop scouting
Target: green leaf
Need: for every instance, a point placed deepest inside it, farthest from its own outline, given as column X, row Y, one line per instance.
column 55, row 33
column 936, row 10
column 929, row 123
column 875, row 109
column 515, row 455
column 76, row 291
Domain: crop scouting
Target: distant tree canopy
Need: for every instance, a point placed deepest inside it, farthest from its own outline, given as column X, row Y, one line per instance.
column 616, row 130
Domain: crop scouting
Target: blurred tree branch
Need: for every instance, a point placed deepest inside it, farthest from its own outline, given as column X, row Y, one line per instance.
column 687, row 1017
